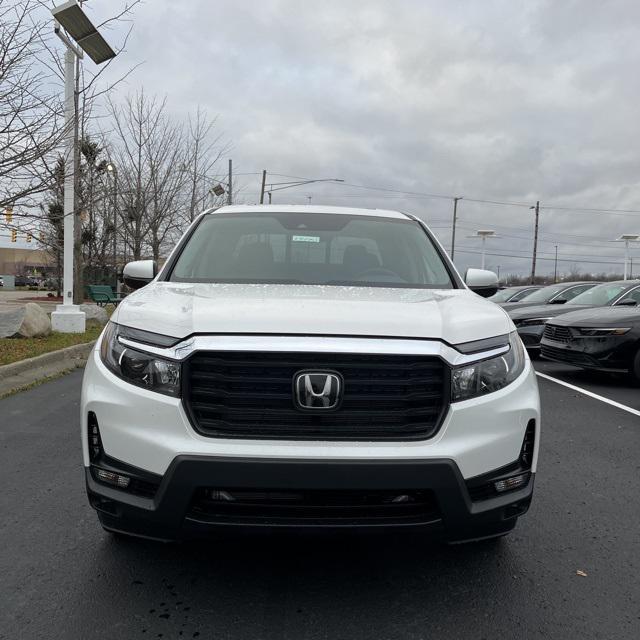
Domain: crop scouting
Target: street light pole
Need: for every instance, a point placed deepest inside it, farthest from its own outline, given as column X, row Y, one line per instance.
column 67, row 318
column 627, row 238
column 555, row 267
column 626, row 258
column 484, row 234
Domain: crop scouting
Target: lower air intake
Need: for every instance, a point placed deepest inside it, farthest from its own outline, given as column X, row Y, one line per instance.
column 314, row 507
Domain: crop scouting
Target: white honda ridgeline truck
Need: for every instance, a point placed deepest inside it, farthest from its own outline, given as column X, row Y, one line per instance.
column 309, row 367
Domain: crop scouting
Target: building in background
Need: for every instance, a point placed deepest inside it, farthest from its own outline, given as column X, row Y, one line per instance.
column 19, row 260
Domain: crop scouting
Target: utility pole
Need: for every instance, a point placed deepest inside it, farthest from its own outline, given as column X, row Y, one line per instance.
column 555, row 267
column 264, row 180
column 535, row 243
column 230, row 185
column 453, row 231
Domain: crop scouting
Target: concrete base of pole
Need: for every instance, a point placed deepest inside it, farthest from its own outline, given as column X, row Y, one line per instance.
column 67, row 318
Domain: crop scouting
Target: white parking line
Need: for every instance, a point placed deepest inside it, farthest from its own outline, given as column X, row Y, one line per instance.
column 613, row 403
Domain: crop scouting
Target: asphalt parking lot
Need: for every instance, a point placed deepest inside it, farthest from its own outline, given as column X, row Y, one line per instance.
column 61, row 576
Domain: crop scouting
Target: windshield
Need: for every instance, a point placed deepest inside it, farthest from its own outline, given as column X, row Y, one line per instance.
column 600, row 295
column 543, row 295
column 311, row 248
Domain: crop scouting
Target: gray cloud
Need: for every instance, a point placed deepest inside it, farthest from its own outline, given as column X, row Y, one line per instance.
column 492, row 100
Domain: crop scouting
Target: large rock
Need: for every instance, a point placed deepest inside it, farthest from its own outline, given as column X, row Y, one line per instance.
column 94, row 312
column 29, row 321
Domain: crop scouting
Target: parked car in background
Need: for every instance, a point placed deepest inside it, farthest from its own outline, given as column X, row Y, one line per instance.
column 607, row 339
column 530, row 321
column 553, row 294
column 25, row 281
column 1, row 281
column 514, row 294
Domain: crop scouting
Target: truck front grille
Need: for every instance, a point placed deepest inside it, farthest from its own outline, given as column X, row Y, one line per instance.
column 250, row 395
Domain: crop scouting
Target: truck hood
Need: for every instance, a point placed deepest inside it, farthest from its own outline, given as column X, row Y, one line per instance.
column 182, row 309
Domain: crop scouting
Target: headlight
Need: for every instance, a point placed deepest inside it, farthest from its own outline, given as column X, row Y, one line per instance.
column 602, row 333
column 489, row 375
column 139, row 368
column 531, row 322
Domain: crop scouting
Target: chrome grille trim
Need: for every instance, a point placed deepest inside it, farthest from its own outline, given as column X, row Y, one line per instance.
column 316, row 344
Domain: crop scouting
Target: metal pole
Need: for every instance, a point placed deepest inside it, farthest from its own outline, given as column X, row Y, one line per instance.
column 269, row 197
column 453, row 231
column 484, row 240
column 535, row 244
column 69, row 115
column 555, row 267
column 626, row 258
column 115, row 226
column 264, row 179
column 230, row 185
column 67, row 317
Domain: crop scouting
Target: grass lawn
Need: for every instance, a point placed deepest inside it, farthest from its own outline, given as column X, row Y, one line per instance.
column 14, row 349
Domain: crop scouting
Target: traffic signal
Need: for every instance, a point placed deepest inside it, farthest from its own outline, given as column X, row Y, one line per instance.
column 14, row 235
column 28, row 237
column 8, row 214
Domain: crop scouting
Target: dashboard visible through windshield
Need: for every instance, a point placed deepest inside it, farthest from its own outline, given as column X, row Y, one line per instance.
column 311, row 248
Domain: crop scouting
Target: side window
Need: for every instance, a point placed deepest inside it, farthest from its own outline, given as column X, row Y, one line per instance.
column 574, row 291
column 522, row 294
column 634, row 295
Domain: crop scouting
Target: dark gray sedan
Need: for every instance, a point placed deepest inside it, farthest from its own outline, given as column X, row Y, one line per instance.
column 530, row 320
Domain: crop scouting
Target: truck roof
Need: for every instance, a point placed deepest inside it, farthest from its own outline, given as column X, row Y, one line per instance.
column 296, row 208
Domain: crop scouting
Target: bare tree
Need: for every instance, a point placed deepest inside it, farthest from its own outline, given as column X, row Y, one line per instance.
column 29, row 115
column 166, row 171
column 203, row 151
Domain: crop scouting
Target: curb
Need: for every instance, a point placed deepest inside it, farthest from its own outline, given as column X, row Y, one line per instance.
column 18, row 375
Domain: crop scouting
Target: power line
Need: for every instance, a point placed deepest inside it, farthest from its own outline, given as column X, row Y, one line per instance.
column 510, row 203
column 506, row 255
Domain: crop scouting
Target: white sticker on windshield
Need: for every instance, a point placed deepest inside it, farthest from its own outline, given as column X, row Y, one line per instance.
column 306, row 238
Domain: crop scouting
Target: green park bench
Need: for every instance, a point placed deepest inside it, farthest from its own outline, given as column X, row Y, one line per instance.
column 102, row 295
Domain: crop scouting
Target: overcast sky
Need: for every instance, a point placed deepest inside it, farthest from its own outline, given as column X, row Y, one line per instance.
column 494, row 100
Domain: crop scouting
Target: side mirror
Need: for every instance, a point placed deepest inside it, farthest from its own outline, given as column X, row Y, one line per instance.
column 482, row 282
column 627, row 302
column 137, row 274
column 558, row 301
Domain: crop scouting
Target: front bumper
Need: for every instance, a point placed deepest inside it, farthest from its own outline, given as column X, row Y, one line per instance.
column 175, row 511
column 604, row 354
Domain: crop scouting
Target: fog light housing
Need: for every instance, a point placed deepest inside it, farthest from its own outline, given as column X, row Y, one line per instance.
column 115, row 479
column 514, row 482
